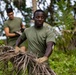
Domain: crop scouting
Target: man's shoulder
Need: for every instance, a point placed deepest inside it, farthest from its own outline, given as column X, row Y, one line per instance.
column 28, row 29
column 49, row 28
column 6, row 22
column 46, row 27
column 17, row 18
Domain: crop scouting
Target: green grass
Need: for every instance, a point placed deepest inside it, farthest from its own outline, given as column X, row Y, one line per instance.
column 4, row 70
column 63, row 63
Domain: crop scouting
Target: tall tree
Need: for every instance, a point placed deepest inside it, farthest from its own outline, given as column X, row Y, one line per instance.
column 34, row 5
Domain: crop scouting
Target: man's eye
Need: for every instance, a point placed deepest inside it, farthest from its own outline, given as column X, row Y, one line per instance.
column 42, row 17
column 37, row 17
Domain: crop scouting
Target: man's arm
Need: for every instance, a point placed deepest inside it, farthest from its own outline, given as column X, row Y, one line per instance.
column 49, row 49
column 8, row 34
column 47, row 53
column 18, row 42
column 22, row 27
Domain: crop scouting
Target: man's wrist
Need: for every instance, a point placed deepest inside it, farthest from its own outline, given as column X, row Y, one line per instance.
column 16, row 34
column 45, row 57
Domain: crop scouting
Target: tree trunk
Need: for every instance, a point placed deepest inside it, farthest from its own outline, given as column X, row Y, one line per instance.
column 34, row 4
column 51, row 11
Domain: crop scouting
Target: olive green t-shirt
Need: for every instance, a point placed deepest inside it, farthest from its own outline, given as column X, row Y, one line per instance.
column 37, row 39
column 14, row 25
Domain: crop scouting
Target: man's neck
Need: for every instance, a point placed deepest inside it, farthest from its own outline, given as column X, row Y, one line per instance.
column 38, row 27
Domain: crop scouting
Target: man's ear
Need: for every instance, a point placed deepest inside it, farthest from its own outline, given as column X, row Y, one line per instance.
column 44, row 19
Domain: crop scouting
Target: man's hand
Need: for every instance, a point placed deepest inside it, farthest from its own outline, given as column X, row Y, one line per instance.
column 17, row 49
column 21, row 49
column 18, row 32
column 41, row 60
column 22, row 29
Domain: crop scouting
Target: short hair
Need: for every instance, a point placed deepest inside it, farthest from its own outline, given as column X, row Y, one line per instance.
column 9, row 9
column 40, row 11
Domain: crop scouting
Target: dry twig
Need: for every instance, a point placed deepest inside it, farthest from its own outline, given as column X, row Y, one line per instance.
column 22, row 61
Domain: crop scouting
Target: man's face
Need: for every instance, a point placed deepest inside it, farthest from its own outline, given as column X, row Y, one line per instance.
column 11, row 15
column 39, row 19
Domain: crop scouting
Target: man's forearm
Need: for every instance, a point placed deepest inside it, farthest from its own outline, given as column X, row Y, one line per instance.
column 19, row 41
column 49, row 49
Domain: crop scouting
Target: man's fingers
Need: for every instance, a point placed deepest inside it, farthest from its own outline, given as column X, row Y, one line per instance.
column 41, row 60
column 18, row 32
column 17, row 49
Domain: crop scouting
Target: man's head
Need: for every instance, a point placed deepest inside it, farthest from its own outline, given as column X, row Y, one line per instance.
column 10, row 13
column 39, row 17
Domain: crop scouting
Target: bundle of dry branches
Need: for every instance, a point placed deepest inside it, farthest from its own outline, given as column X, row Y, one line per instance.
column 22, row 61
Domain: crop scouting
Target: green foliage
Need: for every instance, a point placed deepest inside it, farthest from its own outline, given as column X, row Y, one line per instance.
column 65, row 17
column 63, row 63
column 6, row 68
column 20, row 4
column 2, row 42
column 64, row 41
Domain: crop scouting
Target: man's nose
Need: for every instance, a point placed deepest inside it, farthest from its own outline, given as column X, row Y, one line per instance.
column 40, row 18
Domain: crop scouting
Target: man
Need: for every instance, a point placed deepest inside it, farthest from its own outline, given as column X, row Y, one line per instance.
column 12, row 28
column 40, row 38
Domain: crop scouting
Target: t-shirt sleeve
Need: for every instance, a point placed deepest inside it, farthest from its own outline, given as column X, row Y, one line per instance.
column 21, row 20
column 23, row 36
column 50, row 35
column 5, row 24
